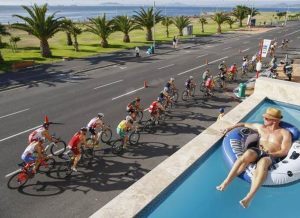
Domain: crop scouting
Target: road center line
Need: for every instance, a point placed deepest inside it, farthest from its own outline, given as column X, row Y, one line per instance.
column 291, row 33
column 20, row 133
column 127, row 93
column 201, row 56
column 14, row 113
column 227, row 48
column 246, row 50
column 195, row 68
column 108, row 84
column 166, row 66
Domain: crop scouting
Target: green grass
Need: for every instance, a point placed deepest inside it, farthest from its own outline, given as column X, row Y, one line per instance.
column 89, row 44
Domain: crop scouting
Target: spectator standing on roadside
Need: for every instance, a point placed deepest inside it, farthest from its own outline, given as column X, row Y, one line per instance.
column 221, row 113
column 174, row 42
column 137, row 51
column 177, row 41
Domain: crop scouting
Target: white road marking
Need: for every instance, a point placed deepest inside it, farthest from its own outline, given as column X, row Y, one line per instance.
column 246, row 42
column 122, row 68
column 14, row 113
column 109, row 84
column 246, row 50
column 291, row 33
column 128, row 93
column 227, row 48
column 195, row 68
column 187, row 51
column 166, row 66
column 201, row 56
column 146, row 109
column 20, row 133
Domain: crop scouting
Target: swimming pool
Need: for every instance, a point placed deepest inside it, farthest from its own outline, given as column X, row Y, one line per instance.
column 194, row 194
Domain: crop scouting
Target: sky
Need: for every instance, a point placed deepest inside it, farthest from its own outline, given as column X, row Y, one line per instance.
column 148, row 2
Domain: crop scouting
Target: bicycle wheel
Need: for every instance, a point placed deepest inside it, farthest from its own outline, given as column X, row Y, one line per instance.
column 193, row 91
column 17, row 180
column 67, row 170
column 147, row 125
column 175, row 96
column 117, row 146
column 58, row 148
column 162, row 117
column 184, row 95
column 134, row 138
column 106, row 135
column 88, row 153
column 139, row 116
column 47, row 165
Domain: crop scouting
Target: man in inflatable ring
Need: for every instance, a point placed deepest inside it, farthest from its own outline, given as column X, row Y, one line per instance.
column 274, row 142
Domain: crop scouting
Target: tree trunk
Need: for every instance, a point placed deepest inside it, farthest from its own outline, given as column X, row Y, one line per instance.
column 45, row 49
column 230, row 26
column 104, row 43
column 126, row 38
column 202, row 27
column 69, row 39
column 180, row 32
column 219, row 30
column 167, row 31
column 149, row 35
column 241, row 23
column 1, row 58
column 76, row 46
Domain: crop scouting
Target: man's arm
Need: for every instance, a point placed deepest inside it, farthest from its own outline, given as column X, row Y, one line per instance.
column 285, row 145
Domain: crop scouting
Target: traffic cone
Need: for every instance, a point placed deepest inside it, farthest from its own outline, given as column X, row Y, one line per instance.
column 46, row 120
column 145, row 84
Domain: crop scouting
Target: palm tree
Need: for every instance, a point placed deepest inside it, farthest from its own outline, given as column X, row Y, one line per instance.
column 167, row 21
column 181, row 22
column 252, row 11
column 3, row 32
column 125, row 25
column 67, row 24
column 219, row 18
column 240, row 12
column 101, row 27
column 40, row 25
column 75, row 31
column 145, row 19
column 13, row 42
column 203, row 21
column 280, row 15
column 230, row 22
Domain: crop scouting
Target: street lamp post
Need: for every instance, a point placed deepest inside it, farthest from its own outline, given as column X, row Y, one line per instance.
column 153, row 26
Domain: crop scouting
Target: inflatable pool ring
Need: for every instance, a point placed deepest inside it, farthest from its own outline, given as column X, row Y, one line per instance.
column 285, row 171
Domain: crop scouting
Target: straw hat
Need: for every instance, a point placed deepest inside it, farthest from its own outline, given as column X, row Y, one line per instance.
column 273, row 113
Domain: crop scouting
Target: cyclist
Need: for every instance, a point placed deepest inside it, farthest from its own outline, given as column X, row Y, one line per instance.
column 133, row 107
column 123, row 128
column 205, row 75
column 233, row 71
column 272, row 50
column 95, row 123
column 34, row 147
column 245, row 67
column 78, row 139
column 41, row 132
column 209, row 85
column 167, row 95
column 155, row 109
column 189, row 84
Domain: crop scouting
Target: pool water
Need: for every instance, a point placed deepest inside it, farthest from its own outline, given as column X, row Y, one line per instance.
column 194, row 194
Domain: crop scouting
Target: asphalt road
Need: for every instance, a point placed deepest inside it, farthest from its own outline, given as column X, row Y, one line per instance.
column 73, row 99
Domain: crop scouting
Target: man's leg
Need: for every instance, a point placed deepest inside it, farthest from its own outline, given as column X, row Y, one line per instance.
column 76, row 159
column 259, row 177
column 238, row 167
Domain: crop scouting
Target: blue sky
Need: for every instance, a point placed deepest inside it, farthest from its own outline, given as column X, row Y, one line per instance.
column 147, row 2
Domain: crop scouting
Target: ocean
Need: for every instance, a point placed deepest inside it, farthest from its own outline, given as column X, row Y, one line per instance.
column 82, row 13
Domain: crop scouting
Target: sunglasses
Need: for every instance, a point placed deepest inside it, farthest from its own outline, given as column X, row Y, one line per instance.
column 268, row 119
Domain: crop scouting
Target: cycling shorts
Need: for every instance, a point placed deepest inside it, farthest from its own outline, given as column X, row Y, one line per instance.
column 29, row 158
column 75, row 150
column 121, row 132
column 92, row 131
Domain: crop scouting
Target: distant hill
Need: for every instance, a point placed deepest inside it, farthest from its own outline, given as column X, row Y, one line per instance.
column 111, row 4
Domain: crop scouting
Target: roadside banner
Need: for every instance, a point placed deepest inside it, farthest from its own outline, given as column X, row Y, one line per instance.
column 265, row 47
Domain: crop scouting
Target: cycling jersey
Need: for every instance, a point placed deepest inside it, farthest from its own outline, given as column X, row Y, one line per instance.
column 74, row 142
column 36, row 134
column 188, row 83
column 205, row 76
column 94, row 123
column 233, row 69
column 209, row 83
column 153, row 107
column 245, row 64
column 122, row 125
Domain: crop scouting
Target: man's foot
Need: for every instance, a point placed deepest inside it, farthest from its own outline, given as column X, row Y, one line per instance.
column 74, row 169
column 221, row 187
column 245, row 203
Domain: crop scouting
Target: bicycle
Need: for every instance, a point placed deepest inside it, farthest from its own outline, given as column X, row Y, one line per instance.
column 133, row 139
column 57, row 148
column 208, row 93
column 153, row 121
column 25, row 173
column 174, row 94
column 187, row 93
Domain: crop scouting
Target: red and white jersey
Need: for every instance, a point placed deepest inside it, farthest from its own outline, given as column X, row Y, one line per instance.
column 153, row 107
column 38, row 133
column 29, row 149
column 94, row 123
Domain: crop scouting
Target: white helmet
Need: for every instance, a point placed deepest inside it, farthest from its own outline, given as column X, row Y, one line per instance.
column 172, row 79
column 129, row 119
column 191, row 77
column 100, row 115
column 166, row 89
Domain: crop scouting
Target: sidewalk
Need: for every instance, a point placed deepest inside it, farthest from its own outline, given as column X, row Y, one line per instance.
column 39, row 73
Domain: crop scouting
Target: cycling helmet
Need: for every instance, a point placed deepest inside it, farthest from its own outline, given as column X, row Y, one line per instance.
column 40, row 139
column 191, row 77
column 129, row 119
column 46, row 125
column 100, row 115
column 166, row 89
column 221, row 110
column 168, row 85
column 161, row 95
column 172, row 79
column 84, row 129
column 137, row 99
